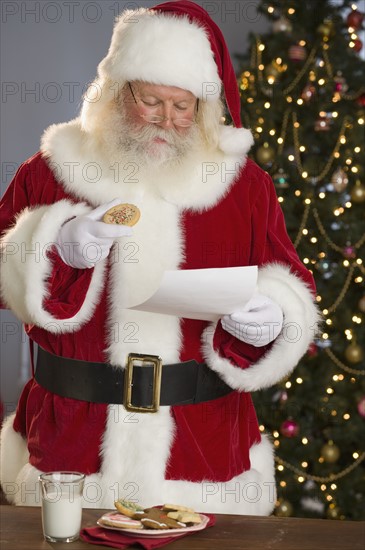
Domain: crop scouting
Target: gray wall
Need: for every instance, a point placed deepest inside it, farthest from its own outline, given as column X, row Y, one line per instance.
column 49, row 52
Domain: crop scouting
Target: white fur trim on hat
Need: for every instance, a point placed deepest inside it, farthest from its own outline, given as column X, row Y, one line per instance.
column 235, row 141
column 161, row 49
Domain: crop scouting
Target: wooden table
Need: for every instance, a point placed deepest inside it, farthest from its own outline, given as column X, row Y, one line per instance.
column 21, row 529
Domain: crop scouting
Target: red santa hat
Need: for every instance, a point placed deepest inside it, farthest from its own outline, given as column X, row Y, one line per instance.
column 173, row 44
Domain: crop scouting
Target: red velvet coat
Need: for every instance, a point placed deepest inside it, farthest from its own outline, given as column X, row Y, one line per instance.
column 205, row 443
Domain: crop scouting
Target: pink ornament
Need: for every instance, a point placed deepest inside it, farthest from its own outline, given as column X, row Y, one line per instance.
column 340, row 83
column 297, row 53
column 308, row 92
column 283, row 397
column 361, row 407
column 289, row 428
column 349, row 252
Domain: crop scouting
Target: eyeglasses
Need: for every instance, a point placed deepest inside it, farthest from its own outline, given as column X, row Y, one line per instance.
column 157, row 119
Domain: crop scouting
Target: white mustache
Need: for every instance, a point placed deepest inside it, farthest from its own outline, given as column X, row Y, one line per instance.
column 150, row 132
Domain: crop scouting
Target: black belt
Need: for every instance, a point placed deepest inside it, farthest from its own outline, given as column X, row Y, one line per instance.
column 142, row 386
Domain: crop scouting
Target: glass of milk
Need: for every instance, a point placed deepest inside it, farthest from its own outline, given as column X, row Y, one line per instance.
column 61, row 505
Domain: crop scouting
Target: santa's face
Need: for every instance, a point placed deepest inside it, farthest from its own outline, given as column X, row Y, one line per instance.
column 158, row 122
column 167, row 107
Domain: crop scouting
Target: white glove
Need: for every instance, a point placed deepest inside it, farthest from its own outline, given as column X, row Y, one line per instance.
column 85, row 240
column 258, row 323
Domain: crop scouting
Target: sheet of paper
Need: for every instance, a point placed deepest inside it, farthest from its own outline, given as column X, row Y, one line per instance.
column 205, row 294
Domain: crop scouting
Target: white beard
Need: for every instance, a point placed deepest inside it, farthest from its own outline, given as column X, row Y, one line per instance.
column 127, row 143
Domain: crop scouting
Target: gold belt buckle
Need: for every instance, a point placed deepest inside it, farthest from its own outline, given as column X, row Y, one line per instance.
column 128, row 381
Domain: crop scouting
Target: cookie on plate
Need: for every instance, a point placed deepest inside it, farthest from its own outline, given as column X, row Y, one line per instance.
column 122, row 214
column 177, row 508
column 120, row 521
column 155, row 518
column 128, row 508
column 185, row 517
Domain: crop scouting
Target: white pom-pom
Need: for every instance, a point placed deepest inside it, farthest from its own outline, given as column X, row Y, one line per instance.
column 233, row 141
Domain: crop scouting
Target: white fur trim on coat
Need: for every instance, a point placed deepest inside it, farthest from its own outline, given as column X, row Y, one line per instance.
column 26, row 266
column 162, row 49
column 13, row 456
column 251, row 493
column 195, row 184
column 300, row 326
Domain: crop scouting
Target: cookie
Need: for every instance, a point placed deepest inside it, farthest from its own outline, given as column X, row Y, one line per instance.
column 122, row 214
column 128, row 508
column 177, row 508
column 185, row 517
column 120, row 521
column 155, row 518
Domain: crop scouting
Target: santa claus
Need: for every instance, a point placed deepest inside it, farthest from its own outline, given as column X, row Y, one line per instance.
column 150, row 132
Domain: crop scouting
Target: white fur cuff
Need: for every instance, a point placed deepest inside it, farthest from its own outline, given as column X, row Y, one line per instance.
column 26, row 266
column 300, row 326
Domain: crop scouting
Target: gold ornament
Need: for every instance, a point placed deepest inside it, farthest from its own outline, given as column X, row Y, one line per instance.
column 361, row 304
column 333, row 512
column 358, row 192
column 283, row 509
column 339, row 180
column 354, row 353
column 326, row 29
column 272, row 70
column 244, row 83
column 330, row 452
column 265, row 154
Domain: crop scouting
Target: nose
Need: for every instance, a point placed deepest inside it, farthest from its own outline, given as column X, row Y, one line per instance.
column 166, row 124
column 166, row 111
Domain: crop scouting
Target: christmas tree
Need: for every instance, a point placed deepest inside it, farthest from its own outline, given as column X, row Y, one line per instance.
column 303, row 96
